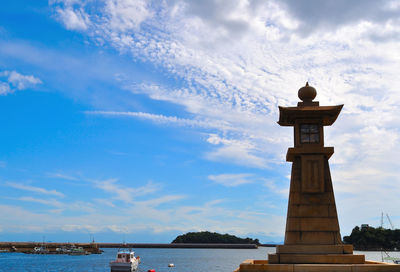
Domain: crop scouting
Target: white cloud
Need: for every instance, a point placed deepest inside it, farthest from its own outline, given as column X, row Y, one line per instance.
column 124, row 15
column 47, row 202
column 33, row 189
column 22, row 220
column 239, row 63
column 124, row 193
column 272, row 186
column 237, row 88
column 5, row 88
column 61, row 176
column 158, row 201
column 73, row 19
column 207, row 216
column 76, row 206
column 232, row 180
column 328, row 15
column 21, row 81
column 105, row 201
column 242, row 152
column 161, row 119
column 127, row 15
column 16, row 81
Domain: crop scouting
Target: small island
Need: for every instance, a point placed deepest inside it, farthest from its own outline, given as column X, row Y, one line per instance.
column 370, row 238
column 206, row 237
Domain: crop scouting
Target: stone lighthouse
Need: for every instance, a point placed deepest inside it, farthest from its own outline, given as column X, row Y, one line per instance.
column 312, row 237
column 312, row 226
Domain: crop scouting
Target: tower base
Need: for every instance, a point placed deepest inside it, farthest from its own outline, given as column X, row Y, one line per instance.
column 368, row 266
column 315, row 254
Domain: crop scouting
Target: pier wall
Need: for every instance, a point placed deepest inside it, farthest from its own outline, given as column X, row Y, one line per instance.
column 177, row 245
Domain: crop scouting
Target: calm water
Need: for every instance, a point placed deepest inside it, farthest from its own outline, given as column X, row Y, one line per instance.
column 185, row 260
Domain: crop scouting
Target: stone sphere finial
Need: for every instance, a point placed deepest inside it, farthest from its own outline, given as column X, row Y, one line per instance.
column 307, row 93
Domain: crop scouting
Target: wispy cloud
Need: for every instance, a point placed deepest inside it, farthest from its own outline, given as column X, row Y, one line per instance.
column 30, row 188
column 124, row 193
column 232, row 180
column 238, row 151
column 61, row 176
column 158, row 201
column 11, row 81
column 47, row 202
column 75, row 206
column 73, row 19
column 153, row 218
column 105, row 201
column 272, row 186
column 162, row 119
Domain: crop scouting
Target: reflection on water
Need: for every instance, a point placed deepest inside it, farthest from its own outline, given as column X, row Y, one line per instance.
column 185, row 260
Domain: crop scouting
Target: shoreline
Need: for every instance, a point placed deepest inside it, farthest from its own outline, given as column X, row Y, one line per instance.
column 177, row 245
column 93, row 247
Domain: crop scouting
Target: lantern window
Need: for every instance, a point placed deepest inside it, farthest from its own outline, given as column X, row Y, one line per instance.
column 309, row 133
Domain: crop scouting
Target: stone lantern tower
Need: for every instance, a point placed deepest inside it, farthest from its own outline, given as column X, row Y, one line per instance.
column 312, row 226
column 312, row 238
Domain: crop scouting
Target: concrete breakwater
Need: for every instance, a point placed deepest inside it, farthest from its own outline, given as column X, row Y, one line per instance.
column 28, row 247
column 177, row 245
column 94, row 248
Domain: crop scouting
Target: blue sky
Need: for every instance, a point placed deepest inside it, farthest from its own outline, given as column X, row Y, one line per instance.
column 142, row 120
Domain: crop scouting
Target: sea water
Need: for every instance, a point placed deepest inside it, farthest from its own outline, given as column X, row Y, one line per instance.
column 185, row 260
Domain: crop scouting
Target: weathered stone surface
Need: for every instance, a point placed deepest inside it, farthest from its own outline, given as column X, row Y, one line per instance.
column 312, row 174
column 321, row 259
column 322, row 268
column 263, row 265
column 315, row 249
column 313, row 224
column 292, row 153
column 311, row 210
column 273, row 258
column 312, row 238
column 298, row 198
column 267, row 267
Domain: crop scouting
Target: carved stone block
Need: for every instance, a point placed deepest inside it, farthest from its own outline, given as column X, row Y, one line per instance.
column 312, row 174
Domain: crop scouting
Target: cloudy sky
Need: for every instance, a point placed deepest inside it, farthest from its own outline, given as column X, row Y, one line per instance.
column 141, row 120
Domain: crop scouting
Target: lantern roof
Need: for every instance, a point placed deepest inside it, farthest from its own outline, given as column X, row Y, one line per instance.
column 308, row 109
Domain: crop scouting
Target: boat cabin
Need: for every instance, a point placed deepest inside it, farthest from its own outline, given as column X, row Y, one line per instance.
column 125, row 257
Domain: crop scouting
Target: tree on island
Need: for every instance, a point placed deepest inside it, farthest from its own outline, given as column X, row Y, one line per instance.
column 370, row 238
column 206, row 237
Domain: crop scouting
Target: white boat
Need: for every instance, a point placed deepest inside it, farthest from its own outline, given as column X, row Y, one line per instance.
column 125, row 261
column 40, row 250
column 77, row 251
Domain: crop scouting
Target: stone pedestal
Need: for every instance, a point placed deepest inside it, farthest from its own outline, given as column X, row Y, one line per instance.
column 264, row 266
column 312, row 228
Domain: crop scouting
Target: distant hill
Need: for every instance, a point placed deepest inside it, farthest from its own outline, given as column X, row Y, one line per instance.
column 206, row 237
column 369, row 238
